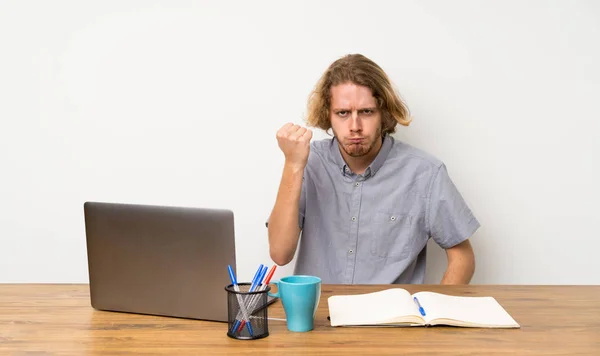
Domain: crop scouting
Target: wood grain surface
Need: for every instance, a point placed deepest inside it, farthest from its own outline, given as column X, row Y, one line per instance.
column 47, row 319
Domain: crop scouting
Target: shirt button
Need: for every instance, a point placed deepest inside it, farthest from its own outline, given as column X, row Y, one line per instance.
column 351, row 251
column 357, row 184
column 393, row 218
column 354, row 218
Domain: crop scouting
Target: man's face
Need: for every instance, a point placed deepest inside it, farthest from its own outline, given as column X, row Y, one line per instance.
column 355, row 119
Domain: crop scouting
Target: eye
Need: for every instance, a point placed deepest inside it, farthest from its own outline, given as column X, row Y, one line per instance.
column 342, row 113
column 368, row 111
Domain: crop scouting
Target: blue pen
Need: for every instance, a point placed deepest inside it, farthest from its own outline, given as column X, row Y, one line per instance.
column 257, row 278
column 257, row 274
column 232, row 277
column 419, row 305
column 236, row 325
column 240, row 302
column 260, row 278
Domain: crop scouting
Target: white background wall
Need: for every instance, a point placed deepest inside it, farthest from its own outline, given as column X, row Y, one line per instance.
column 178, row 102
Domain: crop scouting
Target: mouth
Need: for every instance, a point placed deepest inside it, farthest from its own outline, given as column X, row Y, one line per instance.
column 355, row 140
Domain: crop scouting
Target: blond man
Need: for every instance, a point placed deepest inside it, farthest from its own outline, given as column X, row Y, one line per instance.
column 360, row 207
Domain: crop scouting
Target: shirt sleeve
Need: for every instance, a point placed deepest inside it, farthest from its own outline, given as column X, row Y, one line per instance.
column 301, row 206
column 449, row 219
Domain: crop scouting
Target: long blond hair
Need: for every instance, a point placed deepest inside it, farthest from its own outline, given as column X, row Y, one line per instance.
column 360, row 70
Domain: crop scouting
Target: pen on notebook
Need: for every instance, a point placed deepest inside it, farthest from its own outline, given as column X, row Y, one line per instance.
column 421, row 310
column 240, row 302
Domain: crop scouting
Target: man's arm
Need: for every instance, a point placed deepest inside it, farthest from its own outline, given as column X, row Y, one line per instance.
column 284, row 227
column 461, row 264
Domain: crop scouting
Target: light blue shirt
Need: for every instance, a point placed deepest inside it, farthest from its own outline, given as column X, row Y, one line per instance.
column 373, row 228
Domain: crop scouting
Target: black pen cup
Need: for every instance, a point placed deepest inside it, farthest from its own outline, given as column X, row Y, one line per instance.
column 247, row 312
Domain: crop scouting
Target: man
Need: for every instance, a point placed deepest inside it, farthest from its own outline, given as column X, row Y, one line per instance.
column 366, row 204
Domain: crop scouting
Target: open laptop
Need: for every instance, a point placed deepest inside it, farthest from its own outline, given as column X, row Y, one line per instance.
column 160, row 260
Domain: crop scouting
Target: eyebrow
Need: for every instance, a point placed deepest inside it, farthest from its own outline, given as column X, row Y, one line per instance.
column 373, row 108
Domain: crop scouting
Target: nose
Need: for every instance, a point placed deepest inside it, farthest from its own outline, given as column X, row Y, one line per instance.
column 355, row 122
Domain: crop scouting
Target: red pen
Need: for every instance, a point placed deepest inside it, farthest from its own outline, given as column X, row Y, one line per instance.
column 268, row 279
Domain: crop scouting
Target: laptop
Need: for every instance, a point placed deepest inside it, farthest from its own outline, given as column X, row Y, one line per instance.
column 160, row 260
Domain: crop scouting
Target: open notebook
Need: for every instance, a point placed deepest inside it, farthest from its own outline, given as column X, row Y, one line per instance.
column 397, row 306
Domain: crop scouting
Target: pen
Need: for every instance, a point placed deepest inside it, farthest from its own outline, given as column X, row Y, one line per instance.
column 239, row 325
column 257, row 274
column 255, row 283
column 242, row 306
column 419, row 305
column 268, row 279
column 258, row 278
column 255, row 299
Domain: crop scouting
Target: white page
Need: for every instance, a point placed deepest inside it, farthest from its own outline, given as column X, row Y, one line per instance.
column 371, row 308
column 482, row 311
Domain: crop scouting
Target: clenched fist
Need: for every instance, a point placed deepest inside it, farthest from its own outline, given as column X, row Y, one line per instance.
column 294, row 142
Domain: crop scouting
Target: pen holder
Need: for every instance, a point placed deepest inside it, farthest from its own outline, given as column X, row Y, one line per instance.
column 247, row 312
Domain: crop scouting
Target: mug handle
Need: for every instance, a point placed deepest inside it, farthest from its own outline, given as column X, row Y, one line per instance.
column 276, row 295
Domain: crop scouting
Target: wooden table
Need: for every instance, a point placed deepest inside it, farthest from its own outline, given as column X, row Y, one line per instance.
column 58, row 320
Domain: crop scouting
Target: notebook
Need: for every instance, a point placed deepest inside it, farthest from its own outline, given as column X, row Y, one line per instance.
column 397, row 307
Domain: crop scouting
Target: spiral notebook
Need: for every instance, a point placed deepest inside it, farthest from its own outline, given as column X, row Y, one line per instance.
column 397, row 307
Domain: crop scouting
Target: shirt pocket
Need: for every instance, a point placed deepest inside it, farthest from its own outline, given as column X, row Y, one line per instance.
column 393, row 237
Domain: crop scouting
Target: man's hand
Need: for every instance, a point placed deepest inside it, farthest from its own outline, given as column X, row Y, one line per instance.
column 294, row 142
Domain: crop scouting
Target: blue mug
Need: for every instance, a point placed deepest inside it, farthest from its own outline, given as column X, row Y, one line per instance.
column 300, row 298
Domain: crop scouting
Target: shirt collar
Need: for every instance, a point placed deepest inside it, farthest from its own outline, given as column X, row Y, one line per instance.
column 372, row 169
